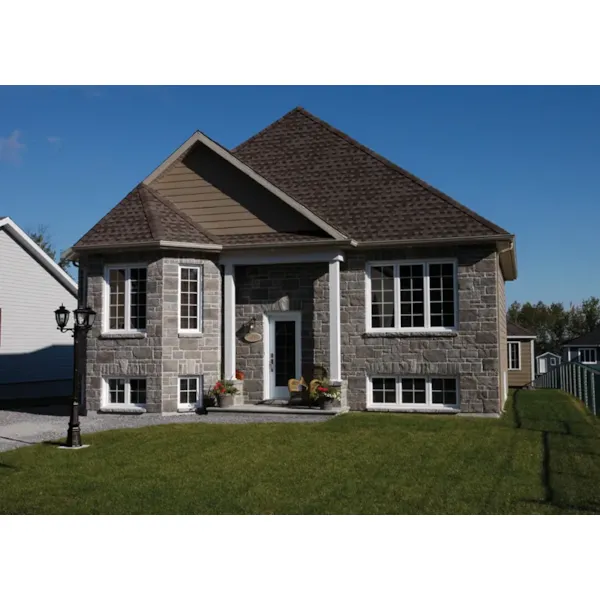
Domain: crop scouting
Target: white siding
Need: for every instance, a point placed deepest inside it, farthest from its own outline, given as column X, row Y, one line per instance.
column 31, row 348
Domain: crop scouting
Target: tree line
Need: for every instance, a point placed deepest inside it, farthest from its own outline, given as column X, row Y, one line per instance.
column 554, row 324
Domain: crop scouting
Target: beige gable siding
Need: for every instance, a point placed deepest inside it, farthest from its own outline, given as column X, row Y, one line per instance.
column 225, row 201
column 501, row 291
column 525, row 374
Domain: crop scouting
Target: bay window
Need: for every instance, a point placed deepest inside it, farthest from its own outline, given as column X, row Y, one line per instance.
column 127, row 299
column 190, row 299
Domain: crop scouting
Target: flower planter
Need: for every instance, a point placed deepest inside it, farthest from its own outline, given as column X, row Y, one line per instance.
column 226, row 400
column 325, row 403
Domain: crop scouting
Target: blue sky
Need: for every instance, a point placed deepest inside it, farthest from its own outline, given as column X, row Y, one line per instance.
column 527, row 158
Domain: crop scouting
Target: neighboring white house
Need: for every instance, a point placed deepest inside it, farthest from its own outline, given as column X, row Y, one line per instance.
column 36, row 360
column 546, row 361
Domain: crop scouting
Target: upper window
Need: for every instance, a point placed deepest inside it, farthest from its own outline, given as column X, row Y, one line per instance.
column 588, row 355
column 514, row 356
column 552, row 361
column 419, row 295
column 189, row 298
column 413, row 392
column 126, row 298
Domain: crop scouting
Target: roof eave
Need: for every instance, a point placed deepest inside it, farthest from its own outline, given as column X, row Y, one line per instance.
column 74, row 252
column 276, row 245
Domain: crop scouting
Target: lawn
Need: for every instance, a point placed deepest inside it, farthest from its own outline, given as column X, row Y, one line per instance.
column 543, row 456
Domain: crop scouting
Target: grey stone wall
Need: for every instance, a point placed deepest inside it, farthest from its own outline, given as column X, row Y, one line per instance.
column 189, row 354
column 471, row 353
column 160, row 355
column 275, row 288
column 115, row 354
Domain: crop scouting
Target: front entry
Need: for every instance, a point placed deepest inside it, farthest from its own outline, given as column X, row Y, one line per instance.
column 282, row 352
column 543, row 367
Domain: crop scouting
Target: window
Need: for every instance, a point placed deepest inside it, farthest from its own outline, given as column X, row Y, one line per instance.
column 189, row 299
column 126, row 391
column 587, row 355
column 552, row 361
column 411, row 296
column 413, row 392
column 126, row 298
column 189, row 391
column 514, row 356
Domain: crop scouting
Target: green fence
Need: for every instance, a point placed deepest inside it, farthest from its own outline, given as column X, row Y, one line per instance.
column 576, row 379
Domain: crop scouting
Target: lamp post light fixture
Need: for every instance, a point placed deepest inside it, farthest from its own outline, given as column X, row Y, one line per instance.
column 83, row 320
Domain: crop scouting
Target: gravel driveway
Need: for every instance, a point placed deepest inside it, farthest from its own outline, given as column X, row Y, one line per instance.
column 19, row 429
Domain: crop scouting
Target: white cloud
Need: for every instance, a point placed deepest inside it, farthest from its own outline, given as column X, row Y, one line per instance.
column 11, row 149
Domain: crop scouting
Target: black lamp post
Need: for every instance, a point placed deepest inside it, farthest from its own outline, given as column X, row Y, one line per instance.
column 83, row 321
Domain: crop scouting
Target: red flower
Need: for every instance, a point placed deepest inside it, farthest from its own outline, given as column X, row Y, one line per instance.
column 321, row 389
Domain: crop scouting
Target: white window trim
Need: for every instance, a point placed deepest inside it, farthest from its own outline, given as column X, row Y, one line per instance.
column 106, row 298
column 396, row 265
column 199, row 390
column 398, row 406
column 552, row 361
column 200, row 297
column 588, row 362
column 519, row 355
column 106, row 392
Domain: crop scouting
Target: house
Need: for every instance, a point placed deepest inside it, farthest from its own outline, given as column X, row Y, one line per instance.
column 521, row 352
column 546, row 361
column 330, row 255
column 585, row 348
column 36, row 360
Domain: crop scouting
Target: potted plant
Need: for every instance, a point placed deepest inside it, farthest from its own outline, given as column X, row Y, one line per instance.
column 325, row 394
column 223, row 393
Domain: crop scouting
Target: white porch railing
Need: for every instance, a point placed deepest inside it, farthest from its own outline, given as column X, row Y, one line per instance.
column 576, row 379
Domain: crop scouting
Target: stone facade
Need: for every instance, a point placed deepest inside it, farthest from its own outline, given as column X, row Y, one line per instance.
column 160, row 354
column 472, row 353
column 279, row 288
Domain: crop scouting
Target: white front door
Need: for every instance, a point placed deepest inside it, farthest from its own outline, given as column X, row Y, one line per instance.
column 282, row 353
column 543, row 367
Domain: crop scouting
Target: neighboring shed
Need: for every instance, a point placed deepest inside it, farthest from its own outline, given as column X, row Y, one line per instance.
column 585, row 348
column 36, row 360
column 521, row 352
column 546, row 361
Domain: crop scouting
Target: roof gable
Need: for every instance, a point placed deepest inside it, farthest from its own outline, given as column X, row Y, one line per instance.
column 199, row 138
column 364, row 194
column 21, row 238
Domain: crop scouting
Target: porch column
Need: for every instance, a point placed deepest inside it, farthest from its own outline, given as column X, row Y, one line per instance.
column 229, row 323
column 335, row 337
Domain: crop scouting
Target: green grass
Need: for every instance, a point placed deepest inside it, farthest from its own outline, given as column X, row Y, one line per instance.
column 542, row 457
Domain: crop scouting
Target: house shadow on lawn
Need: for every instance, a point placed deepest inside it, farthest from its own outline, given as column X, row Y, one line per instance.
column 565, row 431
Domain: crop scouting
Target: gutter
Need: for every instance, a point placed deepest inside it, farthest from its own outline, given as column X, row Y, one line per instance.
column 71, row 253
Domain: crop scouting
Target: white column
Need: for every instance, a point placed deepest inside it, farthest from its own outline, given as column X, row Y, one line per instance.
column 335, row 337
column 229, row 322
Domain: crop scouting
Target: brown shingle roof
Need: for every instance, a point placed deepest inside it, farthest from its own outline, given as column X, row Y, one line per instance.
column 144, row 216
column 351, row 187
column 513, row 329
